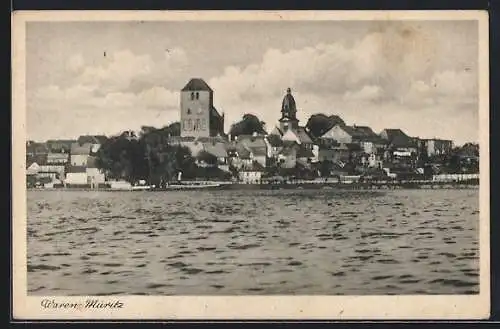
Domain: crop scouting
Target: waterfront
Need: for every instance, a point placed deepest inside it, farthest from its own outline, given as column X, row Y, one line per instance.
column 253, row 242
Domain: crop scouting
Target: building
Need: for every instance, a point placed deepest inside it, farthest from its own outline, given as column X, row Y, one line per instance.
column 57, row 158
column 199, row 117
column 200, row 147
column 399, row 143
column 79, row 154
column 59, row 145
column 218, row 150
column 437, row 146
column 76, row 175
column 254, row 146
column 251, row 174
column 194, row 145
column 289, row 141
column 95, row 176
column 38, row 167
column 35, row 148
column 364, row 136
column 95, row 141
column 289, row 128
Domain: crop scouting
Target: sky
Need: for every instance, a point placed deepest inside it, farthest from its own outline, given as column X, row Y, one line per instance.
column 107, row 77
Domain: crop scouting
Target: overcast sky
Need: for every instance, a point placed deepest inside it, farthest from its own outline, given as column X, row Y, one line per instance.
column 103, row 78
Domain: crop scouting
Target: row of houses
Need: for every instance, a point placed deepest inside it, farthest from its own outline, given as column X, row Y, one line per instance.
column 288, row 146
column 65, row 162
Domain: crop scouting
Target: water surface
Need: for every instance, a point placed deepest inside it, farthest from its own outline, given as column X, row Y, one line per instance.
column 253, row 242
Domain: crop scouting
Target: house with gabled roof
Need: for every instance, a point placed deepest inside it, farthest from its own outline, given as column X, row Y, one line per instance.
column 364, row 136
column 399, row 142
column 39, row 167
column 218, row 150
column 35, row 148
column 95, row 140
column 256, row 146
column 60, row 145
column 359, row 143
column 79, row 154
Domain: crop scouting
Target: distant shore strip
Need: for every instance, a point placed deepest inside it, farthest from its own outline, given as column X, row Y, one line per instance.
column 377, row 185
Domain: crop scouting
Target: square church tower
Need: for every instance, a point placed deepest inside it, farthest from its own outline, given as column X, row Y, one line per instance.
column 199, row 117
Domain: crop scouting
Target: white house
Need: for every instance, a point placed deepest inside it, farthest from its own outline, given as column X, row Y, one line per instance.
column 95, row 176
column 76, row 176
column 79, row 154
column 33, row 169
column 252, row 174
column 57, row 158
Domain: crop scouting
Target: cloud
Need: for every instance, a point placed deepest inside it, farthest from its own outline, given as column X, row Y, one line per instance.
column 394, row 69
column 123, row 89
column 396, row 75
column 127, row 71
column 367, row 93
column 56, row 112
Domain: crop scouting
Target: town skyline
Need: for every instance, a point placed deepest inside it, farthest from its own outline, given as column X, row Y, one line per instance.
column 352, row 69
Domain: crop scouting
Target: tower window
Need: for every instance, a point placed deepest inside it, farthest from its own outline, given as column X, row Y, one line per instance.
column 192, row 96
column 189, row 111
column 197, row 95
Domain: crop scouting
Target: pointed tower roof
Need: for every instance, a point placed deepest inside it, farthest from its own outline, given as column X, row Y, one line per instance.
column 197, row 84
column 288, row 107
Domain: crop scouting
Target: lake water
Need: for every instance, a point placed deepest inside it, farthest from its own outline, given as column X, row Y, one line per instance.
column 253, row 242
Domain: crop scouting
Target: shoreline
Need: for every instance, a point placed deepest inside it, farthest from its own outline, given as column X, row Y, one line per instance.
column 292, row 186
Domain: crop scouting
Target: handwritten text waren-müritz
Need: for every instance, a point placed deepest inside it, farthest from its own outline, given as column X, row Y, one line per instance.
column 88, row 304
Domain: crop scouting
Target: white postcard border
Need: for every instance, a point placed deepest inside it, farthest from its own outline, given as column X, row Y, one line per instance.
column 242, row 307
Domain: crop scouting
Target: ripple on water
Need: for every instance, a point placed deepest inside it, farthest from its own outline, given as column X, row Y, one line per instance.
column 202, row 241
column 42, row 267
column 454, row 283
column 243, row 246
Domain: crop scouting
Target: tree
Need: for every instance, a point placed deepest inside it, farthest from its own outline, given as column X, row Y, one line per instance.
column 247, row 126
column 318, row 124
column 165, row 160
column 207, row 158
column 174, row 129
column 150, row 156
column 121, row 158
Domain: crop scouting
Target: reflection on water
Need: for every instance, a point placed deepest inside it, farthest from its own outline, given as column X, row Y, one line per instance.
column 253, row 242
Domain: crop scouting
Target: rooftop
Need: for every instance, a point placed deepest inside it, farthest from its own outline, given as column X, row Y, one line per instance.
column 84, row 149
column 398, row 138
column 92, row 139
column 255, row 166
column 197, row 84
column 77, row 169
column 218, row 149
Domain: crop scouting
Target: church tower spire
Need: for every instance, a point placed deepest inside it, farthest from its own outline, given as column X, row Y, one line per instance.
column 288, row 112
column 288, row 107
